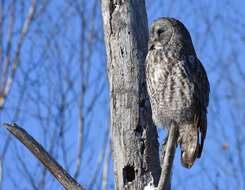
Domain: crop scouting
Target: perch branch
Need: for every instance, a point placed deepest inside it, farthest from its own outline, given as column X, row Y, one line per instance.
column 165, row 179
column 50, row 163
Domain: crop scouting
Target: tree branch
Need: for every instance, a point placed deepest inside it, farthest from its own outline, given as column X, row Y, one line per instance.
column 168, row 157
column 50, row 163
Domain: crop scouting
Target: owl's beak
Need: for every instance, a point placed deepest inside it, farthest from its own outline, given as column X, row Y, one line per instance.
column 150, row 45
column 154, row 45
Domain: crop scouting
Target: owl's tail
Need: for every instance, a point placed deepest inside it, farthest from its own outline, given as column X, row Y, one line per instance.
column 189, row 144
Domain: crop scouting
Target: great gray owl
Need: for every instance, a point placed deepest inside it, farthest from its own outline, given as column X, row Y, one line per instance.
column 178, row 86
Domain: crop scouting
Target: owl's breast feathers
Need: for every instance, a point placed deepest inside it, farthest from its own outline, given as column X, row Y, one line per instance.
column 170, row 84
column 178, row 88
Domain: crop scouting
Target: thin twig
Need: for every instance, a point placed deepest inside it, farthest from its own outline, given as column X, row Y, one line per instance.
column 8, row 81
column 1, row 172
column 83, row 89
column 165, row 179
column 50, row 163
column 25, row 171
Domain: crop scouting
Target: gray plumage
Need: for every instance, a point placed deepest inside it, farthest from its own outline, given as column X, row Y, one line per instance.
column 177, row 85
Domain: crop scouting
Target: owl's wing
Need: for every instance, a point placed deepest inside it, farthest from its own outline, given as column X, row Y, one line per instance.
column 202, row 80
column 197, row 74
column 202, row 84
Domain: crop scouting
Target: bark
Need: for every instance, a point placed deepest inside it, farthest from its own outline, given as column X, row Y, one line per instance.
column 134, row 137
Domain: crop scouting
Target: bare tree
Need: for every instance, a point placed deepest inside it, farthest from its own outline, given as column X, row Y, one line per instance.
column 134, row 137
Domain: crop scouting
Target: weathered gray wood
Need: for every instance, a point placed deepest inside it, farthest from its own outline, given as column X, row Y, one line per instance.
column 134, row 138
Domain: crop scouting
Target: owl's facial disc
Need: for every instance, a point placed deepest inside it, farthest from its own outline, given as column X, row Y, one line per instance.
column 160, row 34
column 164, row 34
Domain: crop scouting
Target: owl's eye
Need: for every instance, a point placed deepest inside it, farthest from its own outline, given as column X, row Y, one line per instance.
column 160, row 31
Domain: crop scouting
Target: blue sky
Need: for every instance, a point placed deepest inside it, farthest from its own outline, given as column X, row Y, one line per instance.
column 51, row 54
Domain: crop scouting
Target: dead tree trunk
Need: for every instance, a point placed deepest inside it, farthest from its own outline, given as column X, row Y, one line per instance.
column 134, row 137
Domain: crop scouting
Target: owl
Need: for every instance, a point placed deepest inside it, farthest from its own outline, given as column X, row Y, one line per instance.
column 177, row 85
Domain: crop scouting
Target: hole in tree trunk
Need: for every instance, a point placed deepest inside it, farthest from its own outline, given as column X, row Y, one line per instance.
column 128, row 174
column 142, row 148
column 138, row 131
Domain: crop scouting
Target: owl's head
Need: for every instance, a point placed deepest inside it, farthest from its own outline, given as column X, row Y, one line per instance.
column 165, row 31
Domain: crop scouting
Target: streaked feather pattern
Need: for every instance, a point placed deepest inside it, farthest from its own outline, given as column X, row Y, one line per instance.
column 177, row 85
